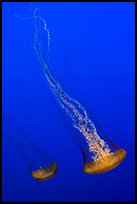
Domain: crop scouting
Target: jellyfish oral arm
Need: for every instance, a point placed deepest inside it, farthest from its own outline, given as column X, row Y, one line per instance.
column 72, row 107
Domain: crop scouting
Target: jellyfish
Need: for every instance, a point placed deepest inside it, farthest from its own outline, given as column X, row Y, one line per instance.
column 99, row 153
column 41, row 165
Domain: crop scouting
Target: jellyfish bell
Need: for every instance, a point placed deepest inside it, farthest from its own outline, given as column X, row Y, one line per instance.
column 99, row 153
column 45, row 173
column 41, row 165
column 103, row 155
column 105, row 163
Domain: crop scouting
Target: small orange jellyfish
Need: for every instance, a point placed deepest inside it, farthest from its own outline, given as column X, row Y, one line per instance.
column 41, row 166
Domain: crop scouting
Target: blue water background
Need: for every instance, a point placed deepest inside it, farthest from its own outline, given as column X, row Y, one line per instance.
column 92, row 57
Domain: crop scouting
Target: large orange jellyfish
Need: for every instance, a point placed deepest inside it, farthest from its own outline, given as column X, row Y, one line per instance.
column 99, row 153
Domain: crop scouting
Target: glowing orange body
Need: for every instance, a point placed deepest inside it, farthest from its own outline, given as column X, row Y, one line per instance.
column 45, row 173
column 105, row 163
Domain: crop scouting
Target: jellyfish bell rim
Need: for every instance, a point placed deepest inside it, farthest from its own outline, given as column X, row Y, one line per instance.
column 105, row 164
column 45, row 172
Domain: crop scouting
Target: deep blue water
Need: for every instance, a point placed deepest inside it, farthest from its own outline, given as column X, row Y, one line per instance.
column 92, row 57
